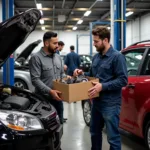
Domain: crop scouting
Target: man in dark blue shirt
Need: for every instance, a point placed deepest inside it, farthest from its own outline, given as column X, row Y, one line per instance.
column 109, row 66
column 72, row 61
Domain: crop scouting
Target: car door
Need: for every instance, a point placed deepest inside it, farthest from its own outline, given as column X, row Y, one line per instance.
column 142, row 94
column 134, row 59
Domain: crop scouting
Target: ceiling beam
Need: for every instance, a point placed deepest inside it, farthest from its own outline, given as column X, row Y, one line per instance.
column 60, row 1
column 72, row 18
column 84, row 9
column 61, row 26
column 131, row 1
column 67, row 9
column 74, row 5
column 63, row 3
column 53, row 23
column 139, row 1
column 108, row 13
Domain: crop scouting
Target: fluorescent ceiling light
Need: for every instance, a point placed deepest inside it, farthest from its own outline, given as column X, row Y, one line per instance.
column 39, row 5
column 74, row 28
column 43, row 28
column 68, row 30
column 80, row 21
column 129, row 13
column 87, row 13
column 41, row 21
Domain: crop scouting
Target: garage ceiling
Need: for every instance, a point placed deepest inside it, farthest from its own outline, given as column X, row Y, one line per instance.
column 64, row 14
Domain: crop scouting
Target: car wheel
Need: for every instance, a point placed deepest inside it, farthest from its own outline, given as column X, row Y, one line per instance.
column 87, row 112
column 20, row 84
column 147, row 135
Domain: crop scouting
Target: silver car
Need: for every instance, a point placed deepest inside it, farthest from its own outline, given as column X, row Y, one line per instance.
column 21, row 69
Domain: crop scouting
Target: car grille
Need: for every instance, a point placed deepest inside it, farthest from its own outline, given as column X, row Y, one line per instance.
column 51, row 123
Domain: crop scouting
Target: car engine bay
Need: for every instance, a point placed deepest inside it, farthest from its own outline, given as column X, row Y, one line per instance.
column 22, row 100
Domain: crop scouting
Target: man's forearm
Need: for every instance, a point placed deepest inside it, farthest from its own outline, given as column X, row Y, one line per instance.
column 40, row 86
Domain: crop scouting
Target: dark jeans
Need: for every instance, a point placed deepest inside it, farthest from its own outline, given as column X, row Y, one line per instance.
column 110, row 117
column 58, row 105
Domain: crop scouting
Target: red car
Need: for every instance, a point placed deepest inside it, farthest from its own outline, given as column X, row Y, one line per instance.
column 135, row 110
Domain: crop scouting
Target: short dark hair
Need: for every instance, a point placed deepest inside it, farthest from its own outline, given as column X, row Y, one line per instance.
column 48, row 35
column 72, row 47
column 102, row 32
column 61, row 43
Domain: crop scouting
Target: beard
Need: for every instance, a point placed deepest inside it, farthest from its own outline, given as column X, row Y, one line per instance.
column 50, row 50
column 100, row 49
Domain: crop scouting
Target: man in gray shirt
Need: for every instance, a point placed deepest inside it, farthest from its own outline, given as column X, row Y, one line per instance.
column 46, row 66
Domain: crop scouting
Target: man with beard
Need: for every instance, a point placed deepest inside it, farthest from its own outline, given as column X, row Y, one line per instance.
column 109, row 66
column 45, row 66
column 60, row 47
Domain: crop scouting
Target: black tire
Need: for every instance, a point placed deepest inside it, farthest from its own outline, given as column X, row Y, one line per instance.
column 87, row 112
column 147, row 135
column 20, row 84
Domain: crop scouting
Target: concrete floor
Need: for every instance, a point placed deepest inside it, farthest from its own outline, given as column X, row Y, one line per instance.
column 77, row 137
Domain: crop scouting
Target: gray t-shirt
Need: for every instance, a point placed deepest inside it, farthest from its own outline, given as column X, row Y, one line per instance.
column 44, row 69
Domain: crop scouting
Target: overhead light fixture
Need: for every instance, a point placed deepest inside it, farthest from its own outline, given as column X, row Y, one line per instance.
column 41, row 21
column 80, row 21
column 74, row 28
column 87, row 13
column 129, row 13
column 39, row 6
column 108, row 28
column 43, row 28
column 68, row 30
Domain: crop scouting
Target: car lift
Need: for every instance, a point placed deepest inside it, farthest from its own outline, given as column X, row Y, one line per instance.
column 118, row 24
column 8, row 67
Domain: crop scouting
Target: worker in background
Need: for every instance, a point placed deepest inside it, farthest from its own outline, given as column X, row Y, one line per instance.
column 109, row 66
column 60, row 47
column 72, row 61
column 45, row 66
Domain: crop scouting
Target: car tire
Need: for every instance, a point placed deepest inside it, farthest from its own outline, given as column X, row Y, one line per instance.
column 87, row 112
column 20, row 84
column 147, row 135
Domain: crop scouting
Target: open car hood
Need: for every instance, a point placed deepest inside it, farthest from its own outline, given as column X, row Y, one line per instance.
column 27, row 51
column 15, row 30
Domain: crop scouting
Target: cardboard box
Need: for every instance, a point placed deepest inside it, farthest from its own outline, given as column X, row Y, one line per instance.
column 75, row 92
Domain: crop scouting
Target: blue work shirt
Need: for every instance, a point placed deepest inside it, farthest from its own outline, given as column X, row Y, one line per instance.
column 73, row 62
column 112, row 73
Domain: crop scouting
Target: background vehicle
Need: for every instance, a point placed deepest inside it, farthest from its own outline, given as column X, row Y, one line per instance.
column 27, row 120
column 86, row 61
column 135, row 110
column 21, row 69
